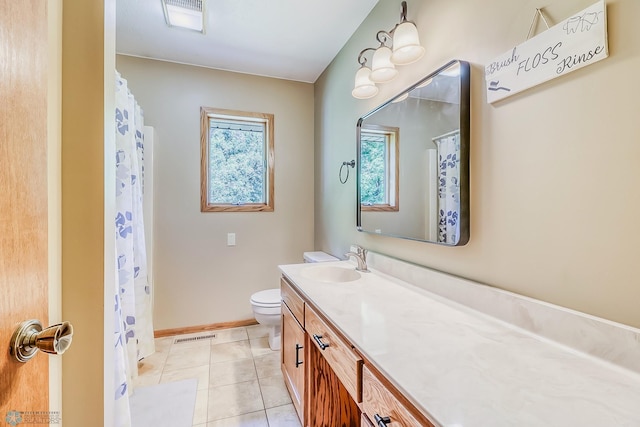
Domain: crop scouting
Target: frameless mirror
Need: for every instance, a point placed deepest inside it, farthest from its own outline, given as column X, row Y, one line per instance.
column 413, row 161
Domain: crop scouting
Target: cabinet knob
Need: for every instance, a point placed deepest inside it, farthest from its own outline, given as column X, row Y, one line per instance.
column 318, row 339
column 29, row 337
column 298, row 361
column 381, row 421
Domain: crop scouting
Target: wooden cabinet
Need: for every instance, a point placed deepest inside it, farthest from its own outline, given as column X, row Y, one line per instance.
column 293, row 348
column 293, row 369
column 365, row 422
column 381, row 403
column 293, row 301
column 329, row 382
column 339, row 355
column 334, row 376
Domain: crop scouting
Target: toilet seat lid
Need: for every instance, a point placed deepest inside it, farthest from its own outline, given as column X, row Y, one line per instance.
column 267, row 297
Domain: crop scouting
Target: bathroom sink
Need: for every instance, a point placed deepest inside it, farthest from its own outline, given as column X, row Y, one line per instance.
column 330, row 274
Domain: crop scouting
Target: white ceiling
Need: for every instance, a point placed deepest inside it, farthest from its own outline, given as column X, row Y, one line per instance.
column 288, row 39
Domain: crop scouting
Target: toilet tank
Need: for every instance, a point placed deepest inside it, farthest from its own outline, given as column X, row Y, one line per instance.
column 318, row 256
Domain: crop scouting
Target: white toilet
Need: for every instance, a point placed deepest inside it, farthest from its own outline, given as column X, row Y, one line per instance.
column 266, row 304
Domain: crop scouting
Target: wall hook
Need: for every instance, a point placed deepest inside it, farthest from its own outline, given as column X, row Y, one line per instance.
column 535, row 20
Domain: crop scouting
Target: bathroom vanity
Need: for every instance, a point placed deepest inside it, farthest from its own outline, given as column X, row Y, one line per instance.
column 339, row 389
column 423, row 348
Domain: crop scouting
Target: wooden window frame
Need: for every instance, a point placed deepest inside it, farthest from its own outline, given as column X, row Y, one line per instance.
column 207, row 113
column 393, row 177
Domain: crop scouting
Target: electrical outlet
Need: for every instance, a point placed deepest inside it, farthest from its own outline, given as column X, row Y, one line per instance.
column 231, row 239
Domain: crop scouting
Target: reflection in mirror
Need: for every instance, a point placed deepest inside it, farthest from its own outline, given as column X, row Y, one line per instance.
column 379, row 168
column 418, row 189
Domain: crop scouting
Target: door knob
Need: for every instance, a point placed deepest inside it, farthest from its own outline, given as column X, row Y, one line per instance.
column 29, row 337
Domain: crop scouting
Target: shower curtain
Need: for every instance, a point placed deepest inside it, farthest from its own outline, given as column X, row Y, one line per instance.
column 132, row 292
column 448, row 147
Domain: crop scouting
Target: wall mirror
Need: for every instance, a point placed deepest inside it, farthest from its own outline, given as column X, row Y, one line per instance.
column 413, row 161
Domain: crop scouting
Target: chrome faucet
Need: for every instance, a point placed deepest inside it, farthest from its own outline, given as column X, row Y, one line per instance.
column 361, row 257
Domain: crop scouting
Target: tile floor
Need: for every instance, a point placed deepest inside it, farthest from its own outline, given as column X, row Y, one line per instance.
column 239, row 379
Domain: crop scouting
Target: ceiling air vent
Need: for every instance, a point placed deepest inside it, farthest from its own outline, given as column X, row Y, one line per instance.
column 187, row 14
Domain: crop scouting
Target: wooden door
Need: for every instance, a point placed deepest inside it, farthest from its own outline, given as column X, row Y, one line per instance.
column 24, row 387
column 293, row 367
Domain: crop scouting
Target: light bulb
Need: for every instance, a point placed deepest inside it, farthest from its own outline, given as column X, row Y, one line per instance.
column 406, row 44
column 382, row 69
column 364, row 87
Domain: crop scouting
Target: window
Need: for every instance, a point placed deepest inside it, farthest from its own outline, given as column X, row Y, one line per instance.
column 237, row 161
column 379, row 168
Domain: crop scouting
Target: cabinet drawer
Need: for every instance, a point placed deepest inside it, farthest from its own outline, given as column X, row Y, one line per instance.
column 344, row 362
column 364, row 422
column 293, row 300
column 379, row 400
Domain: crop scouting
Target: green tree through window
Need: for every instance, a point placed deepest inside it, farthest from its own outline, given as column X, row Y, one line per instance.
column 373, row 169
column 237, row 161
column 379, row 168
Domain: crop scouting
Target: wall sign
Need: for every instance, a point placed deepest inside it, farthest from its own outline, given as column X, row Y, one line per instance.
column 570, row 45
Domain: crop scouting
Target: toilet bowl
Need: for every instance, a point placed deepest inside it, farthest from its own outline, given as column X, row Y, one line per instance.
column 266, row 309
column 266, row 304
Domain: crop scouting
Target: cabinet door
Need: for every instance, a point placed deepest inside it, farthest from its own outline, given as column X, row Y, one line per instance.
column 329, row 402
column 344, row 362
column 293, row 367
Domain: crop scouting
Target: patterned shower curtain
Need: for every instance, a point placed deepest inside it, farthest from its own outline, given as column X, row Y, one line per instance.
column 448, row 146
column 132, row 292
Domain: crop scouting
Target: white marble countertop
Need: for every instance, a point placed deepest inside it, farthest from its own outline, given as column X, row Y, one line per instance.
column 465, row 369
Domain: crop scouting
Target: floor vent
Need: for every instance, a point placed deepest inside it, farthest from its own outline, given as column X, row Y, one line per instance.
column 198, row 338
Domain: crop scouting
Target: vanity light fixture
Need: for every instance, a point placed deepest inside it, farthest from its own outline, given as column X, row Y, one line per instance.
column 364, row 86
column 406, row 42
column 401, row 98
column 187, row 14
column 382, row 68
column 405, row 49
column 425, row 83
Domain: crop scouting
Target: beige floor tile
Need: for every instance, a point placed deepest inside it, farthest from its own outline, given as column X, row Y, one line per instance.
column 254, row 419
column 163, row 344
column 237, row 355
column 201, row 373
column 274, row 392
column 202, row 405
column 230, row 335
column 269, row 365
column 187, row 357
column 230, row 351
column 257, row 331
column 283, row 416
column 260, row 347
column 146, row 380
column 232, row 372
column 233, row 400
column 153, row 364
